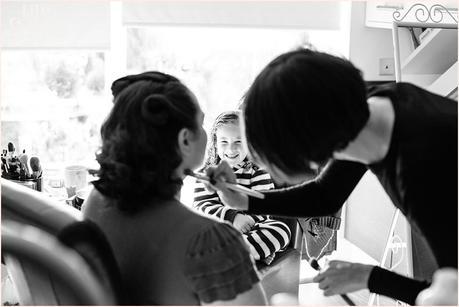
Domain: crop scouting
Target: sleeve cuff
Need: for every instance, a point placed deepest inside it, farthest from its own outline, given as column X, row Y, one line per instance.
column 391, row 284
column 230, row 215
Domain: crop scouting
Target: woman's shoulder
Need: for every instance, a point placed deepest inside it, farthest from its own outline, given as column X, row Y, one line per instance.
column 212, row 235
column 94, row 201
column 218, row 264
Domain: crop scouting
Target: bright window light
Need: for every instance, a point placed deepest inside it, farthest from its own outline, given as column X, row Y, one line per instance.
column 218, row 64
column 53, row 103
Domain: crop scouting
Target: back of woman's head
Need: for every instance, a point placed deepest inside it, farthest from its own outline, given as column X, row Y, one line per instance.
column 139, row 151
column 302, row 107
column 225, row 118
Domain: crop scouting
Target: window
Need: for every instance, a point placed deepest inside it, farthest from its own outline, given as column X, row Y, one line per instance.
column 53, row 103
column 217, row 63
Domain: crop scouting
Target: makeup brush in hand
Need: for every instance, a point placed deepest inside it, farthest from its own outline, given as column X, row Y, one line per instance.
column 315, row 265
column 231, row 186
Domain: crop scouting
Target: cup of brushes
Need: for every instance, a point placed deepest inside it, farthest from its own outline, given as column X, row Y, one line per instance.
column 20, row 168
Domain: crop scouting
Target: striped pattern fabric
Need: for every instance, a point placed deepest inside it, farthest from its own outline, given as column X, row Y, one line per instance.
column 268, row 235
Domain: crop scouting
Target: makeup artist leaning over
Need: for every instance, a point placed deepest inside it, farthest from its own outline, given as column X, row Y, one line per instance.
column 308, row 108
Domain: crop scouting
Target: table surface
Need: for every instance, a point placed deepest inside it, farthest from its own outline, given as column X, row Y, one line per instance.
column 311, row 295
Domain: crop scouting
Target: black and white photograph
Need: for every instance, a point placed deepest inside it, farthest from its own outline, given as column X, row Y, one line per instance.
column 229, row 152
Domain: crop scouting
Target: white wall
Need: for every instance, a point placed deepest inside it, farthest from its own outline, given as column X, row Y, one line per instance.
column 285, row 14
column 370, row 211
column 368, row 45
column 82, row 24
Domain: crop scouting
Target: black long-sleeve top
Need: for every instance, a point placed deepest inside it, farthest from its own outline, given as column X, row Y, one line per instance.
column 419, row 173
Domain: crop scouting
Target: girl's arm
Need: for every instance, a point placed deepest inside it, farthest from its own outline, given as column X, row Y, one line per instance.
column 210, row 204
column 261, row 181
column 322, row 196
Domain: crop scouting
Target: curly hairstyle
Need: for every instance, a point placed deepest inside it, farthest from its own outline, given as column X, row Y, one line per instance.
column 139, row 150
column 303, row 106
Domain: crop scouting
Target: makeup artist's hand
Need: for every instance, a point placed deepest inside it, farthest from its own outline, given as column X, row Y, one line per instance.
column 243, row 223
column 221, row 174
column 343, row 277
column 443, row 290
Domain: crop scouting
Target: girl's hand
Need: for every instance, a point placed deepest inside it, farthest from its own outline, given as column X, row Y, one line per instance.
column 221, row 174
column 342, row 277
column 243, row 223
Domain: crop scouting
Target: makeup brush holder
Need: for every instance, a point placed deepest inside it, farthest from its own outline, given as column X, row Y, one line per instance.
column 33, row 183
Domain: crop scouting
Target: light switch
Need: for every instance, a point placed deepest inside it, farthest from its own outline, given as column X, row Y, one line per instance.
column 386, row 66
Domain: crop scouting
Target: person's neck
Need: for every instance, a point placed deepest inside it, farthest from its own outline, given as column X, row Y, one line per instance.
column 179, row 174
column 372, row 143
column 239, row 165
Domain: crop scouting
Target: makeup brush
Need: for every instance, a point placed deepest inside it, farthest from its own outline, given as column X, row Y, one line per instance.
column 24, row 159
column 36, row 167
column 4, row 168
column 315, row 265
column 11, row 149
column 4, row 162
column 231, row 186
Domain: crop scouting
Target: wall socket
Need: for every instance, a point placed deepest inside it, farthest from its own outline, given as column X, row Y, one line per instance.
column 386, row 66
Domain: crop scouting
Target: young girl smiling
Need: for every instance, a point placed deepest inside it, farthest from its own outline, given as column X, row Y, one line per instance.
column 264, row 235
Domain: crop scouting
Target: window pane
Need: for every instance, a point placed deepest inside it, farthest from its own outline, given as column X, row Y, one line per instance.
column 218, row 64
column 53, row 103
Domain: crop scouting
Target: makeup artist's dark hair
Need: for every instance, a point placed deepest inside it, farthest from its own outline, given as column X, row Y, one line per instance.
column 139, row 139
column 302, row 107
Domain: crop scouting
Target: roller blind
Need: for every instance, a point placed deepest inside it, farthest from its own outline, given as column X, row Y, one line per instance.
column 289, row 14
column 55, row 24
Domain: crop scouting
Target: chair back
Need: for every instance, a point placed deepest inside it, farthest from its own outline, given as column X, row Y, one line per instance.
column 46, row 272
column 64, row 224
column 86, row 238
column 31, row 207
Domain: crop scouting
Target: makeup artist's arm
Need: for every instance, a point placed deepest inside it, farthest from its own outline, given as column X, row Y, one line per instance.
column 343, row 277
column 322, row 196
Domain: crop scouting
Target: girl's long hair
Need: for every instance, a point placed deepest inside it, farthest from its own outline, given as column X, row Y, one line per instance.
column 227, row 117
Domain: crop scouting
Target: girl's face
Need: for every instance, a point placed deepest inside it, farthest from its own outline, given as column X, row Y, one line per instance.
column 229, row 144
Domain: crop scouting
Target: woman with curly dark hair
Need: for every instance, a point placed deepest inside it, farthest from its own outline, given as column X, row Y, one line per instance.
column 167, row 254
